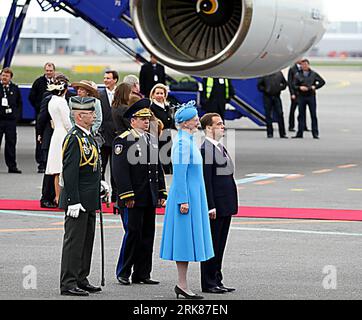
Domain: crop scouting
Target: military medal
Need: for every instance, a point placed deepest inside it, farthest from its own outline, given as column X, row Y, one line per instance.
column 86, row 150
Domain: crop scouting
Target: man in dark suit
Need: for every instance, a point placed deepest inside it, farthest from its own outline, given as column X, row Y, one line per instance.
column 151, row 73
column 37, row 91
column 108, row 130
column 141, row 186
column 222, row 199
column 80, row 198
column 10, row 110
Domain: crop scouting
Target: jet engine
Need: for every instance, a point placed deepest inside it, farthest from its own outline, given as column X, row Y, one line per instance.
column 233, row 38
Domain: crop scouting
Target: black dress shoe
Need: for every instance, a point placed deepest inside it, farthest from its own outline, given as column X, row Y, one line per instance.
column 291, row 130
column 145, row 281
column 123, row 281
column 47, row 204
column 283, row 137
column 90, row 288
column 228, row 289
column 75, row 292
column 14, row 170
column 216, row 290
column 179, row 291
column 297, row 137
column 316, row 137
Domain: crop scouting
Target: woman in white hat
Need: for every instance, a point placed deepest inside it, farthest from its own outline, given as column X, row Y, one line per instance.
column 60, row 114
column 86, row 88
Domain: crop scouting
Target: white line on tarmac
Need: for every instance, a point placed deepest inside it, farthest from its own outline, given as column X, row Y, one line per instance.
column 330, row 233
column 45, row 215
column 115, row 220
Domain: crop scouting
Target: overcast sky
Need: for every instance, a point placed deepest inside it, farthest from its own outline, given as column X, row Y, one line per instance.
column 337, row 10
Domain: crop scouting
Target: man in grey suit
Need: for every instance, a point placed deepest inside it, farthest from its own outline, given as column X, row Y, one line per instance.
column 222, row 198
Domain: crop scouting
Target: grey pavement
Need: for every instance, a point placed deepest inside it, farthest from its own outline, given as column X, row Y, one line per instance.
column 265, row 259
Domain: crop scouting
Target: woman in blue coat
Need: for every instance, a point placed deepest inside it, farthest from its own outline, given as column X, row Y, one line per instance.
column 186, row 233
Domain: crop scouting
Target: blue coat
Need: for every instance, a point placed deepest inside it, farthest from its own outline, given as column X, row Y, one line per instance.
column 186, row 237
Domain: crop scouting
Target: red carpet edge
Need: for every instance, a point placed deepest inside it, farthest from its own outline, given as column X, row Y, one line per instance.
column 245, row 212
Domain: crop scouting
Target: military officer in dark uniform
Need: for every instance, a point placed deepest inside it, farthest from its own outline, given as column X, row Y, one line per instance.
column 80, row 197
column 10, row 111
column 141, row 186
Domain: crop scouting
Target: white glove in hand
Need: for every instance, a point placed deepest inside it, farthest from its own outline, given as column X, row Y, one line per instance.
column 73, row 210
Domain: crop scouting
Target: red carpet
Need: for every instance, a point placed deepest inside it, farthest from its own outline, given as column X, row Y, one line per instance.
column 249, row 212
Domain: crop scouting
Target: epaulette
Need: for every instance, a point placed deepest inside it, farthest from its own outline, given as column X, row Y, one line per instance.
column 135, row 133
column 128, row 132
column 125, row 134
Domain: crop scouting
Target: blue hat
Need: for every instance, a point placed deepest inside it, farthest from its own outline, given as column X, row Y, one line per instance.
column 186, row 112
column 141, row 108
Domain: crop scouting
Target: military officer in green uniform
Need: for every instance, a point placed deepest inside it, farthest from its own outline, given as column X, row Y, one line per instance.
column 80, row 198
column 141, row 186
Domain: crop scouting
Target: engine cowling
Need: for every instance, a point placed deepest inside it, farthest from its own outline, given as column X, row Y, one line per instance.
column 234, row 38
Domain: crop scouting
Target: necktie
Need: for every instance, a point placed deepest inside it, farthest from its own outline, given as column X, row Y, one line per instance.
column 223, row 150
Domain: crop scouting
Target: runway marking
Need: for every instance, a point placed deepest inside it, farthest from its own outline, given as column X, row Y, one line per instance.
column 264, row 183
column 343, row 84
column 297, row 190
column 347, row 166
column 355, row 190
column 287, row 222
column 30, row 230
column 322, row 171
column 294, row 176
column 329, row 233
column 259, row 178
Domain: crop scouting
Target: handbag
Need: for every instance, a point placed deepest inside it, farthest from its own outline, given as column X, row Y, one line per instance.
column 185, row 84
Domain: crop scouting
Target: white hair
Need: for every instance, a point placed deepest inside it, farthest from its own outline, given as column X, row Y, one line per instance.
column 131, row 79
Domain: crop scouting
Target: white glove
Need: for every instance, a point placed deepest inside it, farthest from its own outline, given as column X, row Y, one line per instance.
column 73, row 210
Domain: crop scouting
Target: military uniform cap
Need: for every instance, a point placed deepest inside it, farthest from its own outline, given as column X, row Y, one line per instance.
column 82, row 103
column 141, row 109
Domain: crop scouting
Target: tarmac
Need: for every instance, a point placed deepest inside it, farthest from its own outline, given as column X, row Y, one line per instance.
column 265, row 259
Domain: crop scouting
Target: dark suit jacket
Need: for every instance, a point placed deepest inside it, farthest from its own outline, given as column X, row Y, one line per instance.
column 14, row 100
column 38, row 88
column 121, row 123
column 220, row 185
column 107, row 130
column 293, row 71
column 43, row 126
column 147, row 77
